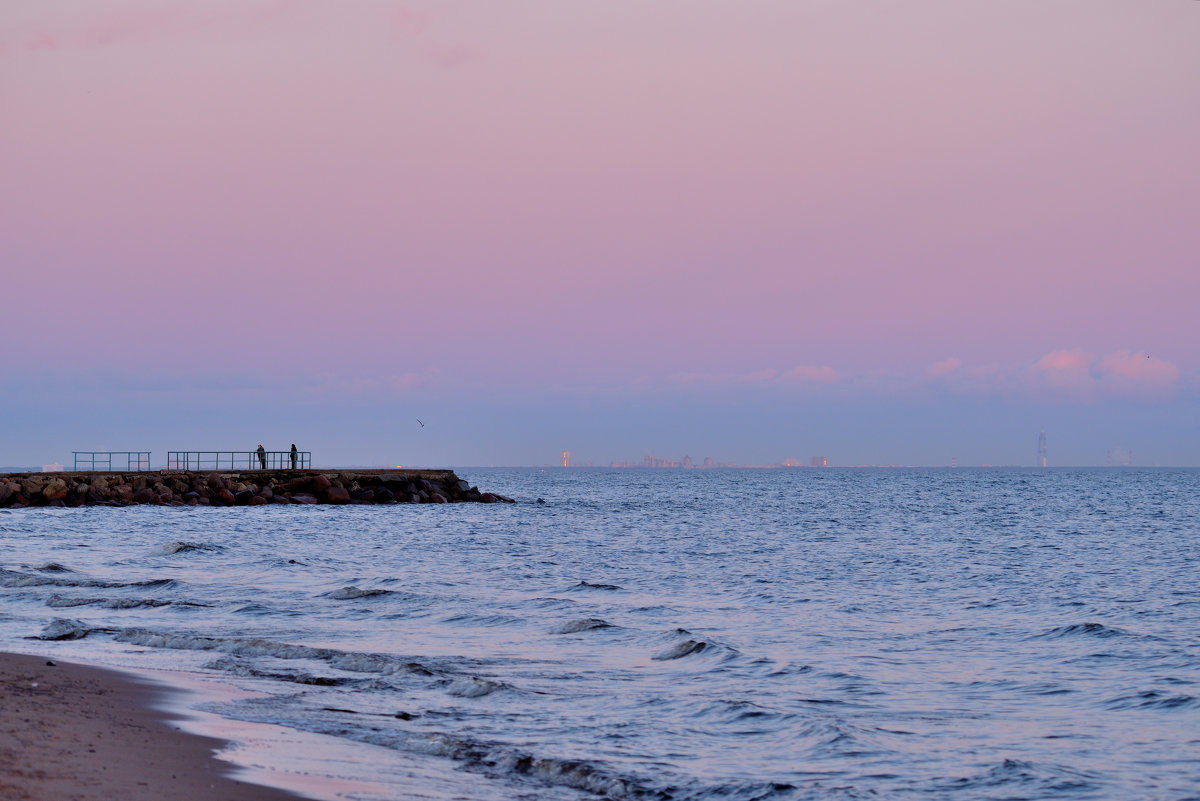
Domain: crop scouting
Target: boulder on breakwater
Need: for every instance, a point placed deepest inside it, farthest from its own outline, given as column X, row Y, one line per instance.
column 238, row 488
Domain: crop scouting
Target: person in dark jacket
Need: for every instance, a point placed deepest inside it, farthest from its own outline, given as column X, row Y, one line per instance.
column 293, row 456
column 262, row 456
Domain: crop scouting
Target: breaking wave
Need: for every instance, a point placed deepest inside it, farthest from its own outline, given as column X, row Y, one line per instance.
column 169, row 548
column 590, row 624
column 15, row 579
column 1084, row 630
column 62, row 602
column 351, row 593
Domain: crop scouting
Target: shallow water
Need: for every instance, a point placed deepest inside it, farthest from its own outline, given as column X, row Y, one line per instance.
column 731, row 634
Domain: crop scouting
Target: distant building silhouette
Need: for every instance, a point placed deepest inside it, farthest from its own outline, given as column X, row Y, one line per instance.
column 566, row 458
column 818, row 461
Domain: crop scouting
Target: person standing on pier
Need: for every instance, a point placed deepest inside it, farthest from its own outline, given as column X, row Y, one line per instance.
column 293, row 456
column 262, row 456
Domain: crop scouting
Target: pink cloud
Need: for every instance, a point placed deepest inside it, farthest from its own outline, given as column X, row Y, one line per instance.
column 1087, row 377
column 806, row 372
column 1138, row 367
column 943, row 368
column 1064, row 361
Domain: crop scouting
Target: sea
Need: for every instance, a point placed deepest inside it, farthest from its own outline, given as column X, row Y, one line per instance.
column 700, row 635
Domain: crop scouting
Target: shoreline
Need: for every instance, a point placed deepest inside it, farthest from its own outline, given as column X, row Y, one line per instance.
column 76, row 731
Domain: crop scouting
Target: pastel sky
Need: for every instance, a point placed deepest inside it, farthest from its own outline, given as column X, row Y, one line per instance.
column 884, row 232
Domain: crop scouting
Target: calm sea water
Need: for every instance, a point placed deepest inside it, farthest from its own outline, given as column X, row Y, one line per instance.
column 726, row 634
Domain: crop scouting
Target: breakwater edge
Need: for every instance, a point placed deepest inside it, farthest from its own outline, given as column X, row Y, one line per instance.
column 238, row 488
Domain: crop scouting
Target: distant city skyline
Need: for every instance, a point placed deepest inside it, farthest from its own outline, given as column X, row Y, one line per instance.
column 902, row 233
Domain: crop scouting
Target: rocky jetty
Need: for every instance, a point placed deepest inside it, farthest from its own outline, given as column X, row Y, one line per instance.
column 238, row 488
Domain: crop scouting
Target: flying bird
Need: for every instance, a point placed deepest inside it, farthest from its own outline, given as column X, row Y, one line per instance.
column 419, row 421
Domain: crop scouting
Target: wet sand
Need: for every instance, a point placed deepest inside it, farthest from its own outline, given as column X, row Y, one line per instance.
column 83, row 733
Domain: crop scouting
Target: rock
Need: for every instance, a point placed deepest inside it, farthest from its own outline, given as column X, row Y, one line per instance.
column 243, row 497
column 463, row 486
column 31, row 486
column 487, row 497
column 267, row 492
column 258, row 500
column 6, row 490
column 395, row 482
column 143, row 495
column 302, row 498
column 438, row 497
column 384, row 495
column 299, row 484
column 123, row 494
column 99, row 484
column 215, row 483
column 336, row 495
column 320, row 483
column 223, row 498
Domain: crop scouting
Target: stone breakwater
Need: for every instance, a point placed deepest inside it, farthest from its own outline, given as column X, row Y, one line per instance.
column 238, row 488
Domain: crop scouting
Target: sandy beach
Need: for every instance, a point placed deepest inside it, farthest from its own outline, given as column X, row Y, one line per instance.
column 70, row 731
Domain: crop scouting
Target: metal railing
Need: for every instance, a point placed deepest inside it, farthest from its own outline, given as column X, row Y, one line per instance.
column 239, row 460
column 103, row 460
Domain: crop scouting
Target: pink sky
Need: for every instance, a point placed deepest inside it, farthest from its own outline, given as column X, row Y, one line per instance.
column 995, row 200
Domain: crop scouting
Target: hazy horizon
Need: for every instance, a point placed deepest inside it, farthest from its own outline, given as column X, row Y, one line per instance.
column 879, row 233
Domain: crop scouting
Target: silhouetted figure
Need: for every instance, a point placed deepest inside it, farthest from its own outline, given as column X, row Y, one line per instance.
column 293, row 456
column 262, row 456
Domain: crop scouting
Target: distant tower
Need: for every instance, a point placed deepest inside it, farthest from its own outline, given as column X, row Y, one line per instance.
column 1041, row 462
column 566, row 458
